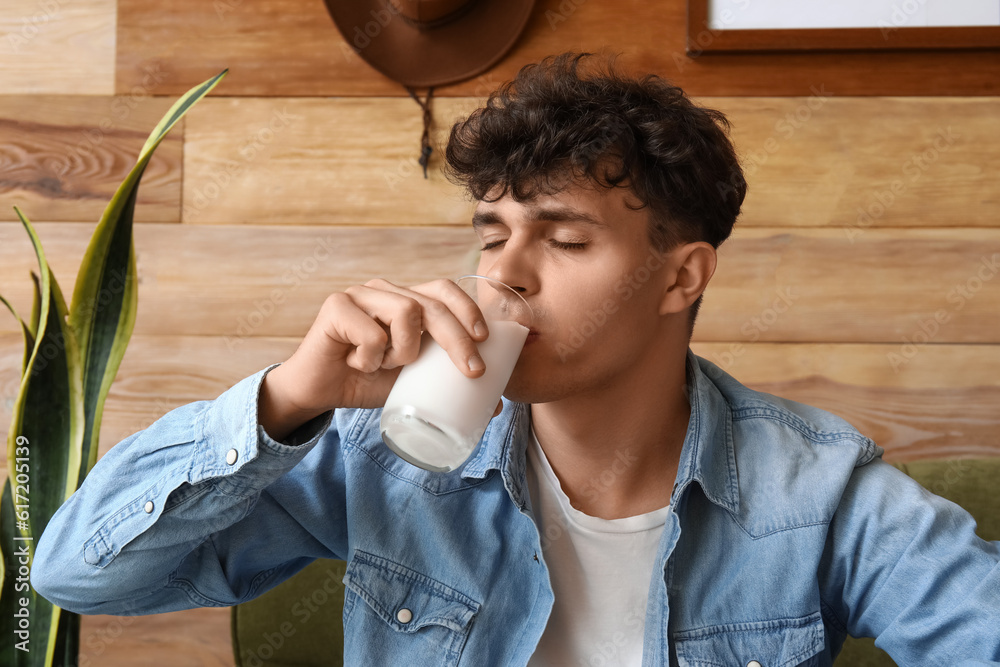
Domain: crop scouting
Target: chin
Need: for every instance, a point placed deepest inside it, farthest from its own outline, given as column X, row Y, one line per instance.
column 517, row 393
column 523, row 387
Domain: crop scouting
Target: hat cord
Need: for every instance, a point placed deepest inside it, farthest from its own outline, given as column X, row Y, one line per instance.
column 425, row 138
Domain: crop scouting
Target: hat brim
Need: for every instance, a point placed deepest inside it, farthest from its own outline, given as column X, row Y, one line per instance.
column 456, row 51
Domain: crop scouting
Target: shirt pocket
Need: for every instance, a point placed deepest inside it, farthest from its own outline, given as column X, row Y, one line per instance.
column 777, row 643
column 396, row 615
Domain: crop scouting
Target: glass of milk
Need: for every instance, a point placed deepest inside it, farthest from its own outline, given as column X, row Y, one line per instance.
column 434, row 415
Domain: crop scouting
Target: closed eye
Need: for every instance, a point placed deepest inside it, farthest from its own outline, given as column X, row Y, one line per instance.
column 561, row 245
column 565, row 245
column 491, row 245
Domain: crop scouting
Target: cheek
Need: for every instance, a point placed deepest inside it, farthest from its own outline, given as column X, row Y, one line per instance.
column 619, row 310
column 593, row 313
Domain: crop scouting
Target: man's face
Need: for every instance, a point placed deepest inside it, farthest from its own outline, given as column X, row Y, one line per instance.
column 583, row 261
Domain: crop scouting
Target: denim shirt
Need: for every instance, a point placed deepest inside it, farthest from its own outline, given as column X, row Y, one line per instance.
column 785, row 532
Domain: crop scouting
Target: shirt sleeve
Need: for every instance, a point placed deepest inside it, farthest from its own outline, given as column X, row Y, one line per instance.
column 906, row 567
column 177, row 515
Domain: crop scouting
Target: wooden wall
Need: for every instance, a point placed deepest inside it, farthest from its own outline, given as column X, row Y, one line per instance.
column 862, row 277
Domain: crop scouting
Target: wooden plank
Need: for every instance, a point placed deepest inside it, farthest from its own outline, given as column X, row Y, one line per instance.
column 941, row 402
column 913, row 286
column 867, row 162
column 307, row 161
column 158, row 374
column 59, row 47
column 292, row 48
column 255, row 281
column 190, row 638
column 63, row 156
column 826, row 285
column 271, row 48
column 811, row 161
column 944, row 401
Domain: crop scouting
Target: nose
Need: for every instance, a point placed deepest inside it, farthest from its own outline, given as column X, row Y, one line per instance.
column 512, row 266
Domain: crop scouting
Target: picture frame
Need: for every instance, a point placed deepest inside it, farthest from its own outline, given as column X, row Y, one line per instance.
column 703, row 38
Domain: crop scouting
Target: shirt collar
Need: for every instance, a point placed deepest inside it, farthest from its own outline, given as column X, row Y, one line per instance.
column 707, row 456
column 503, row 447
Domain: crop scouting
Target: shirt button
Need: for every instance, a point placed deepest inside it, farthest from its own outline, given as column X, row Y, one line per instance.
column 148, row 507
column 231, row 456
column 753, row 663
column 405, row 616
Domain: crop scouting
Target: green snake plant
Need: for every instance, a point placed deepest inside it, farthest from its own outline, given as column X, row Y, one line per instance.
column 71, row 357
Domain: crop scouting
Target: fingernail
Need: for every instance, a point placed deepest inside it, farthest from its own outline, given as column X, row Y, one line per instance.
column 476, row 363
column 480, row 329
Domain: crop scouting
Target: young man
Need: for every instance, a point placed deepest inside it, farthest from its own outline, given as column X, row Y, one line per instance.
column 631, row 503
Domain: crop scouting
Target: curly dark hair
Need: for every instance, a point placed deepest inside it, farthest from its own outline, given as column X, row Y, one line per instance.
column 553, row 122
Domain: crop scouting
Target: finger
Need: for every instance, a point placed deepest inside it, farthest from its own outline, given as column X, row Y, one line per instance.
column 398, row 315
column 344, row 323
column 439, row 320
column 463, row 306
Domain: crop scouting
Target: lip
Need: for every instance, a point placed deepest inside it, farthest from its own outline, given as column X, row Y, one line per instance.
column 532, row 336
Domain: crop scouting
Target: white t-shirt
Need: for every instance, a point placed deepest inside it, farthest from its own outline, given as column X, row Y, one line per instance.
column 600, row 571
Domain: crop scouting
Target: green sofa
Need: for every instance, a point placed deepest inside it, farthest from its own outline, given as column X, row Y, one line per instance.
column 298, row 624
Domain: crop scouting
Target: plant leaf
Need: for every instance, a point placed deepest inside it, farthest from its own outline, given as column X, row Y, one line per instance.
column 177, row 111
column 74, row 356
column 48, row 416
column 26, row 335
column 36, row 304
column 105, row 297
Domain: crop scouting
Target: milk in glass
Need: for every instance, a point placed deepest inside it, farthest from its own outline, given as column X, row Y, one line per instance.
column 434, row 415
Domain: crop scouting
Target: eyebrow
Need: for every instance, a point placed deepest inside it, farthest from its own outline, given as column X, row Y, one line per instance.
column 482, row 219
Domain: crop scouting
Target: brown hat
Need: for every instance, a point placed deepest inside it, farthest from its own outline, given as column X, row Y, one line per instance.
column 425, row 43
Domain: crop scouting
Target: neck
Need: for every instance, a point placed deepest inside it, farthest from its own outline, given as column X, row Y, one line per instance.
column 616, row 450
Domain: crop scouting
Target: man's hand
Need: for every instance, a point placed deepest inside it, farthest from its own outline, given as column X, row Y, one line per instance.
column 352, row 353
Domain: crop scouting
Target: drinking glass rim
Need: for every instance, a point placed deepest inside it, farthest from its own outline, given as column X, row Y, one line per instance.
column 531, row 311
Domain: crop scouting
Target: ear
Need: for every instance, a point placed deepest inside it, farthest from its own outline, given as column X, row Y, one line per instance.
column 691, row 266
